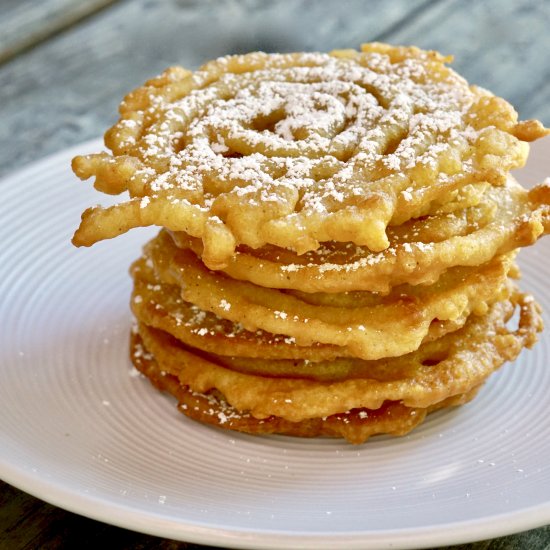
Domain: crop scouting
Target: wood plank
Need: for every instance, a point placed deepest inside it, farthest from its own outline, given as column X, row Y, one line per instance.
column 27, row 523
column 25, row 23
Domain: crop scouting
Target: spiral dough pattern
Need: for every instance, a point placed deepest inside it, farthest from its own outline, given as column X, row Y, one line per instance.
column 293, row 150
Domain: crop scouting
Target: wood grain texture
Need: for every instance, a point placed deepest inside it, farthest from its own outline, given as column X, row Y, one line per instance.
column 27, row 523
column 501, row 46
column 26, row 23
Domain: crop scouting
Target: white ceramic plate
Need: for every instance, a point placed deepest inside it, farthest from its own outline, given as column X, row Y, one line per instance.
column 78, row 430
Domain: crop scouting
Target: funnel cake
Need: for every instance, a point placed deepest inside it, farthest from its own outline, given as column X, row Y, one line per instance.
column 370, row 327
column 337, row 240
column 456, row 295
column 420, row 250
column 439, row 374
column 297, row 149
column 356, row 426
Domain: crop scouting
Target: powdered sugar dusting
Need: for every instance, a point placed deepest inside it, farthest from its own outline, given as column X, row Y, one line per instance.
column 205, row 324
column 313, row 125
column 293, row 150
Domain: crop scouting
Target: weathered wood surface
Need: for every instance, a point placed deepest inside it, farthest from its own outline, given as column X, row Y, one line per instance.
column 65, row 64
column 26, row 23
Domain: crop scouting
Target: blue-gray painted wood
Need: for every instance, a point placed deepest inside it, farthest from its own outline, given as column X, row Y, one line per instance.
column 26, row 23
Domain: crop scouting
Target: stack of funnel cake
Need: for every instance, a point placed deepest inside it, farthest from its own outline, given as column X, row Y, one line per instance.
column 338, row 237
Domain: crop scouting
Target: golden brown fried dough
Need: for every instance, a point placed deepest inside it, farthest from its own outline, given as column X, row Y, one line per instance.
column 356, row 426
column 362, row 324
column 297, row 149
column 420, row 251
column 338, row 236
column 451, row 365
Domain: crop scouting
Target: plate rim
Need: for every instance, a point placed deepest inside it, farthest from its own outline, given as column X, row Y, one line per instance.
column 427, row 536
